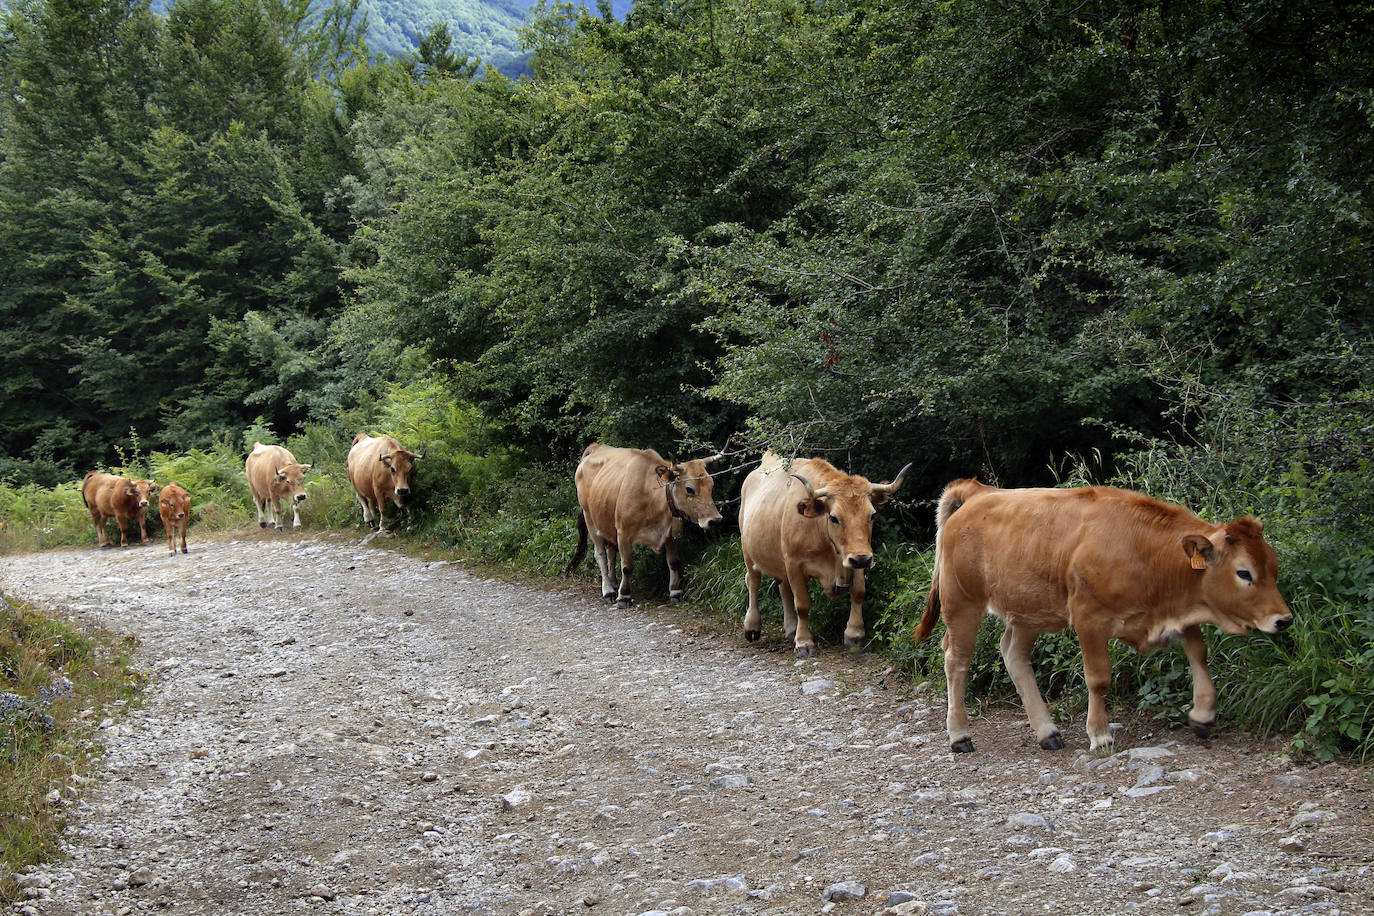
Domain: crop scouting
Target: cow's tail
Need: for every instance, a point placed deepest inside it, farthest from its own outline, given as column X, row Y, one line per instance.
column 950, row 500
column 88, row 476
column 581, row 552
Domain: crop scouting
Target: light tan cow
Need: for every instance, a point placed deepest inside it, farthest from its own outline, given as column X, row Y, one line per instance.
column 119, row 498
column 1112, row 564
column 634, row 496
column 274, row 474
column 379, row 469
column 807, row 520
column 174, row 505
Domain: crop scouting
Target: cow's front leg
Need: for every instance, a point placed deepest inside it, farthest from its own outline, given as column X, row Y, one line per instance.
column 1203, row 715
column 675, row 592
column 1016, row 655
column 123, row 535
column 801, row 598
column 854, row 635
column 753, row 625
column 626, row 548
column 142, row 527
column 296, row 513
column 1097, row 672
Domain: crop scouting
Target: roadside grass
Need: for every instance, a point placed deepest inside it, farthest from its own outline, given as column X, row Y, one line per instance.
column 58, row 681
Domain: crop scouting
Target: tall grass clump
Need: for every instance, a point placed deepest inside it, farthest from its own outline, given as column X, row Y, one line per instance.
column 56, row 681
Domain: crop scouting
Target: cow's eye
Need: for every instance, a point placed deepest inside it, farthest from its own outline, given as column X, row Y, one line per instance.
column 834, row 519
column 691, row 491
column 1244, row 575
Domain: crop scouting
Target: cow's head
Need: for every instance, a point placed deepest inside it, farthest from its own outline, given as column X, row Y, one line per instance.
column 141, row 491
column 398, row 465
column 689, row 488
column 174, row 502
column 1239, row 571
column 846, row 504
column 289, row 481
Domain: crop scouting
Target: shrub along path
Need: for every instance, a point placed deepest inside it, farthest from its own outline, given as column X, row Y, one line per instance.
column 337, row 728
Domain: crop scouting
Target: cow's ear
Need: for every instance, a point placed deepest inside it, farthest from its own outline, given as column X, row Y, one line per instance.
column 306, row 467
column 811, row 508
column 1201, row 553
column 665, row 473
column 879, row 498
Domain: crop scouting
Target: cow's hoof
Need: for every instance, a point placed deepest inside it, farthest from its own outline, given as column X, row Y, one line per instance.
column 609, row 598
column 962, row 746
column 624, row 603
column 806, row 651
column 172, row 554
column 676, row 597
column 854, row 643
column 262, row 524
column 1053, row 743
column 752, row 635
column 1202, row 729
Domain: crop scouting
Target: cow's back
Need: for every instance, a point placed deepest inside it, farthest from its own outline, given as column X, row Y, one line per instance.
column 106, row 493
column 768, row 508
column 364, row 466
column 616, row 484
column 1022, row 551
column 261, row 467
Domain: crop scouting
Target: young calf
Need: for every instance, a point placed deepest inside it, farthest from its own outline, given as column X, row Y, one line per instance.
column 174, row 505
column 1112, row 564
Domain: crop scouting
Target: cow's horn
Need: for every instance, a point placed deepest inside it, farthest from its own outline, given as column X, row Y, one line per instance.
column 896, row 481
column 814, row 494
column 720, row 455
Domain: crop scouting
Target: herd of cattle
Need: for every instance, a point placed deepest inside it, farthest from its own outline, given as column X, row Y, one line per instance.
column 1110, row 563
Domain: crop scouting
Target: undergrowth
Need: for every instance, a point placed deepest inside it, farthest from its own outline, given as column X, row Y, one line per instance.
column 58, row 680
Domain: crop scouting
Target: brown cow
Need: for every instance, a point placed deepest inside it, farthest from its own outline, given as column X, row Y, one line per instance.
column 379, row 469
column 120, row 498
column 1112, row 564
column 634, row 496
column 804, row 521
column 174, row 505
column 273, row 475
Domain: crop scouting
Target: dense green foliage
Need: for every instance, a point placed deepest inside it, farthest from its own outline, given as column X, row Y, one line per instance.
column 1046, row 242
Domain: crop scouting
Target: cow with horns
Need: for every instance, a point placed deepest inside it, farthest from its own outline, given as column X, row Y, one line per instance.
column 632, row 496
column 808, row 520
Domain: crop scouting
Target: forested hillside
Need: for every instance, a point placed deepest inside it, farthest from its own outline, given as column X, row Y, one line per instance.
column 1030, row 241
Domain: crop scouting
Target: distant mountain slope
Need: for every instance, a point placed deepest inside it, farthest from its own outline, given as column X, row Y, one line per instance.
column 488, row 29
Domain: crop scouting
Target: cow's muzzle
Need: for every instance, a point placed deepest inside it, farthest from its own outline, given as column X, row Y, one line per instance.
column 403, row 491
column 859, row 561
column 1282, row 624
column 142, row 503
column 300, row 497
column 713, row 524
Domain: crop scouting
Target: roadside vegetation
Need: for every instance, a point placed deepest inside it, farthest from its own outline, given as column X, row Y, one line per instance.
column 59, row 680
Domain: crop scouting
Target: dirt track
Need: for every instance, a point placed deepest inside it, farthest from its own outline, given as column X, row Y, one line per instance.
column 337, row 728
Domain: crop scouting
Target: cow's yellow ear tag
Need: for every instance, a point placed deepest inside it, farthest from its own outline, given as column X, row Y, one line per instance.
column 1197, row 561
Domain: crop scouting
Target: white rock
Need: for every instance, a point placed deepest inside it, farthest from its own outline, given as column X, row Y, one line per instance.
column 1063, row 865
column 516, row 798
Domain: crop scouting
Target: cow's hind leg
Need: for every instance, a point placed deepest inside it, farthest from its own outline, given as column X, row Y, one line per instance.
column 961, row 634
column 753, row 578
column 626, row 548
column 367, row 510
column 261, row 506
column 1203, row 715
column 854, row 635
column 102, row 537
column 675, row 592
column 1016, row 655
column 789, row 611
column 605, row 561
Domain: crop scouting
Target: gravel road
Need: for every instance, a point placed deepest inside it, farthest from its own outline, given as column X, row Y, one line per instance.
column 333, row 727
